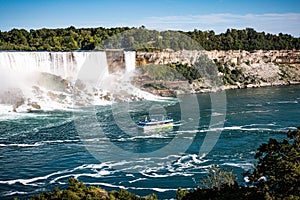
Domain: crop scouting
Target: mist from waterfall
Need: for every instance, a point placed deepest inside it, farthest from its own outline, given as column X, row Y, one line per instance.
column 60, row 80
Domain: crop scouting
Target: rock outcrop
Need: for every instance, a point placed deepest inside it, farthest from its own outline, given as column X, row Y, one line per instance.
column 236, row 57
column 115, row 60
column 256, row 68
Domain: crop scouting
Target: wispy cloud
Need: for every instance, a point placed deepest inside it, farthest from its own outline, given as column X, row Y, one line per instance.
column 269, row 22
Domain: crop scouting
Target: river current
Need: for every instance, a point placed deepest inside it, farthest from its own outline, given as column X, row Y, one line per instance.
column 101, row 146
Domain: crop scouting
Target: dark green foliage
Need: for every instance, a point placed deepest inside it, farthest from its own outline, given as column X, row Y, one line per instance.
column 180, row 193
column 246, row 39
column 236, row 75
column 150, row 40
column 219, row 184
column 207, row 69
column 225, row 193
column 155, row 86
column 56, row 39
column 279, row 162
column 228, row 80
column 172, row 72
column 230, row 77
column 142, row 39
column 219, row 178
column 189, row 73
column 160, row 72
column 124, row 194
column 78, row 190
column 202, row 69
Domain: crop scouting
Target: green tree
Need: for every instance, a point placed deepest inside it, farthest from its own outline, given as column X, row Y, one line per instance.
column 78, row 190
column 218, row 178
column 279, row 164
column 72, row 38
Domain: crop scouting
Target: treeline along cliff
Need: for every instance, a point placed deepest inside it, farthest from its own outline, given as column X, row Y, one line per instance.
column 71, row 38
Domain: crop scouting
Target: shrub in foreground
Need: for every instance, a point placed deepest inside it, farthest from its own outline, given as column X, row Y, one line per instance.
column 78, row 190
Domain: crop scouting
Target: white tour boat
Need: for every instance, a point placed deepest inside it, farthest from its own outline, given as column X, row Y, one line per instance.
column 153, row 123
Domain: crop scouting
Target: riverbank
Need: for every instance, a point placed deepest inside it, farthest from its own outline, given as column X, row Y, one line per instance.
column 235, row 69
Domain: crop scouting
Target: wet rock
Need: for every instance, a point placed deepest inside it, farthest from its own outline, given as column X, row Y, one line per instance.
column 35, row 105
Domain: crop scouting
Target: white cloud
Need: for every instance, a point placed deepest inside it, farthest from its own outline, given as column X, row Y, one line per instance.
column 269, row 22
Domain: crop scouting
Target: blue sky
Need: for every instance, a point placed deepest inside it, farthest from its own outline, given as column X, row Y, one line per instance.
column 271, row 16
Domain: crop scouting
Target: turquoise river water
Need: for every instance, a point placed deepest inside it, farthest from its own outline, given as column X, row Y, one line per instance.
column 101, row 146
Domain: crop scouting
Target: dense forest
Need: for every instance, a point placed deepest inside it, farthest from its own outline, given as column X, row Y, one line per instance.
column 71, row 38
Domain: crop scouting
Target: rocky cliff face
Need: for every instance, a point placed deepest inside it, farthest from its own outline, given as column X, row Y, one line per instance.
column 236, row 57
column 256, row 68
column 259, row 56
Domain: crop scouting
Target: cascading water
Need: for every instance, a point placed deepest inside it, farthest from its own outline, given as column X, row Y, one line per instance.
column 93, row 68
column 55, row 80
column 41, row 80
column 129, row 60
column 64, row 64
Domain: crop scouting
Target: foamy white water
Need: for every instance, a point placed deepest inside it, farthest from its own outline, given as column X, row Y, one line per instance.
column 63, row 80
column 129, row 57
column 64, row 64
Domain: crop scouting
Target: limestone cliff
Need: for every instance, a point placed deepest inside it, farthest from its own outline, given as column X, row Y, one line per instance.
column 256, row 68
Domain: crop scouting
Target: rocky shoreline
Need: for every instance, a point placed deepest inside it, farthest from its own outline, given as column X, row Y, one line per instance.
column 237, row 68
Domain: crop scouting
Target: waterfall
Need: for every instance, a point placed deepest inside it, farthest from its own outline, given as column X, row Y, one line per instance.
column 129, row 57
column 58, row 80
column 94, row 67
column 64, row 64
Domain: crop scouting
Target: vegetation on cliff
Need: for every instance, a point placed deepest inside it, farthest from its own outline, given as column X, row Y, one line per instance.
column 216, row 70
column 172, row 72
column 205, row 74
column 178, row 78
column 276, row 176
column 71, row 38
